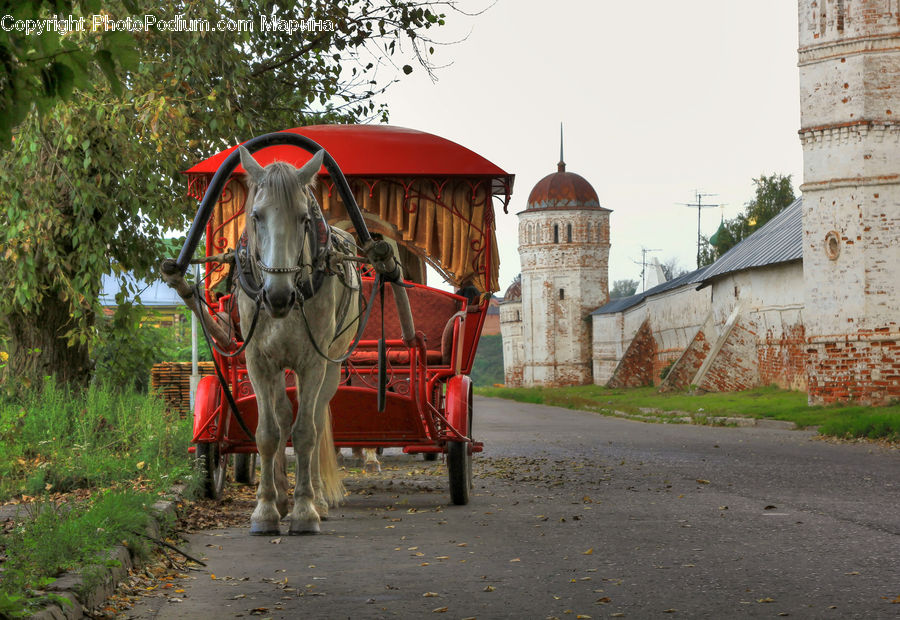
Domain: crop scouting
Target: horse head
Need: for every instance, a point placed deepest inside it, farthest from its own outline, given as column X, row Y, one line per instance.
column 278, row 227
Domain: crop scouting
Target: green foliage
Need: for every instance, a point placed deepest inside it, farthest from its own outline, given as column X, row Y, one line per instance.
column 623, row 288
column 864, row 422
column 773, row 194
column 95, row 180
column 41, row 67
column 55, row 440
column 59, row 537
column 763, row 403
column 129, row 344
column 488, row 366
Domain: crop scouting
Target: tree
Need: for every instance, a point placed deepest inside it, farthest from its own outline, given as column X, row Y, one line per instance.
column 623, row 288
column 41, row 63
column 773, row 194
column 93, row 183
column 672, row 268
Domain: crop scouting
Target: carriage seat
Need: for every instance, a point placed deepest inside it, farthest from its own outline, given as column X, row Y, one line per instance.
column 434, row 312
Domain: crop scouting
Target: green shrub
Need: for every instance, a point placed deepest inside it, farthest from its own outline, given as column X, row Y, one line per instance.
column 58, row 537
column 57, row 440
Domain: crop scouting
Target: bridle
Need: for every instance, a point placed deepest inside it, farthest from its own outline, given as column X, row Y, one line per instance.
column 315, row 232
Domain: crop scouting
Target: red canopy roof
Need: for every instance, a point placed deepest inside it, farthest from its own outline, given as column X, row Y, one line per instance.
column 375, row 150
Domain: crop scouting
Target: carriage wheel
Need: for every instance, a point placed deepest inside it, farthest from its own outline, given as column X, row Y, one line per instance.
column 245, row 467
column 459, row 462
column 212, row 465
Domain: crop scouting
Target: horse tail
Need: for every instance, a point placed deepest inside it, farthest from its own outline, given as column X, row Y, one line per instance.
column 332, row 487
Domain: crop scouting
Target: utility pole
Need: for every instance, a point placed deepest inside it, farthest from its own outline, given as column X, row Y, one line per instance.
column 643, row 264
column 699, row 206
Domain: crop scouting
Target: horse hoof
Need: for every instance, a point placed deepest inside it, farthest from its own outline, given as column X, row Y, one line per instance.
column 373, row 468
column 306, row 529
column 264, row 529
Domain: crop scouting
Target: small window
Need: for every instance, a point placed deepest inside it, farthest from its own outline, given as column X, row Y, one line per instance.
column 568, row 233
column 587, row 234
column 562, row 293
column 556, row 233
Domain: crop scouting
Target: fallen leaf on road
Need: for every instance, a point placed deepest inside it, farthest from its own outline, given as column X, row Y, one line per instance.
column 489, row 588
column 765, row 600
column 589, row 551
column 439, row 610
column 516, row 560
column 702, row 481
column 430, row 594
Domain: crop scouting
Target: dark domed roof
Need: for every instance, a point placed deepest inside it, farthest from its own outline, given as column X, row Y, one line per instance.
column 563, row 190
column 514, row 292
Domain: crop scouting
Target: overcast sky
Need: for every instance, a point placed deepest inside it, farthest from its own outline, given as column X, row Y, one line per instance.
column 659, row 99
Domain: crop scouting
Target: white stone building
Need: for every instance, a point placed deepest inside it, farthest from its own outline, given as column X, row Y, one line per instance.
column 850, row 101
column 564, row 251
column 813, row 303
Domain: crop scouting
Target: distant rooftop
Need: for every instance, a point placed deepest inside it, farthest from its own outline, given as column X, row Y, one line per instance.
column 780, row 240
column 154, row 294
column 624, row 303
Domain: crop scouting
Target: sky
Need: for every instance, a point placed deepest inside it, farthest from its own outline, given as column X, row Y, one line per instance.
column 658, row 100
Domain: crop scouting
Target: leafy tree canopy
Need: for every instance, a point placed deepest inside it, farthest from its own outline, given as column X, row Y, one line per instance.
column 94, row 180
column 623, row 288
column 773, row 194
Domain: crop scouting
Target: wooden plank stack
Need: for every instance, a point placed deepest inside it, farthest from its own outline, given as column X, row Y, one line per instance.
column 172, row 381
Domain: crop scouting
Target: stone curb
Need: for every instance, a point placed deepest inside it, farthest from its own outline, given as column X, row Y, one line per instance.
column 652, row 415
column 69, row 583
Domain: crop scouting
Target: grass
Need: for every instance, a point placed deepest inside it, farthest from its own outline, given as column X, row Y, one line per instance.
column 56, row 441
column 86, row 468
column 487, row 368
column 761, row 403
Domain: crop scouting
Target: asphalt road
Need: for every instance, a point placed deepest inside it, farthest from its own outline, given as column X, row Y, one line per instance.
column 578, row 515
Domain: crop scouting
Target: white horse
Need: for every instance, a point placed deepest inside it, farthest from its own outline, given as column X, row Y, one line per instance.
column 280, row 252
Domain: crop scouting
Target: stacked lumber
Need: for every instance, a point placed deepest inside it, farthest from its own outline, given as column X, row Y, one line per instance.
column 172, row 381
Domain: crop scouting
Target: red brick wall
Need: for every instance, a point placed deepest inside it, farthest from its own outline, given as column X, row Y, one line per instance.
column 864, row 367
column 637, row 365
column 685, row 369
column 782, row 359
column 735, row 366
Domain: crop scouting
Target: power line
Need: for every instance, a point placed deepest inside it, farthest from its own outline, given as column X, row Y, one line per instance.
column 699, row 206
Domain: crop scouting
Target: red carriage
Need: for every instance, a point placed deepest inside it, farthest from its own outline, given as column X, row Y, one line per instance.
column 432, row 201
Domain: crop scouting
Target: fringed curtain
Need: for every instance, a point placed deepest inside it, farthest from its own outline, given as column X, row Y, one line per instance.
column 445, row 220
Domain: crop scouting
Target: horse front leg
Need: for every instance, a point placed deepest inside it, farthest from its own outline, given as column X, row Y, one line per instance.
column 304, row 517
column 265, row 517
column 284, row 413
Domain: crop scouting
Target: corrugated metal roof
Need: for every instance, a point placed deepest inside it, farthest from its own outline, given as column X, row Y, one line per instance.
column 780, row 240
column 624, row 303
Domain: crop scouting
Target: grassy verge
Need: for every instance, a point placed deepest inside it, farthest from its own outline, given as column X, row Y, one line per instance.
column 84, row 468
column 761, row 403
